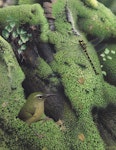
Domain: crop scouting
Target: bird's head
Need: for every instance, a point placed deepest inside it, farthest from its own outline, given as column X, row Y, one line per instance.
column 42, row 96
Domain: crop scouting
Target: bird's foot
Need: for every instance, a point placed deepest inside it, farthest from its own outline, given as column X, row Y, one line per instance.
column 60, row 123
column 46, row 119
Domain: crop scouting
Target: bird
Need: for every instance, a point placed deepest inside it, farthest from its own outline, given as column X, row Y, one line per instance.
column 33, row 110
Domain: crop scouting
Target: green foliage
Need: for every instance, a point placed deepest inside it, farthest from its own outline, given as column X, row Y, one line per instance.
column 107, row 59
column 16, row 33
column 107, row 54
column 8, row 29
column 5, row 34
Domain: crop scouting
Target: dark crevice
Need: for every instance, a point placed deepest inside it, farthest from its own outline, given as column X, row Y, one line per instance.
column 105, row 119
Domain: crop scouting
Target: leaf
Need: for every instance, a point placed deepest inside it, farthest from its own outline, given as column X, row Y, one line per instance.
column 20, row 42
column 109, row 57
column 104, row 73
column 5, row 34
column 106, row 51
column 113, row 52
column 14, row 34
column 81, row 137
column 102, row 55
column 19, row 51
column 29, row 35
column 24, row 38
column 23, row 31
column 23, row 47
column 12, row 24
column 9, row 28
column 18, row 30
column 104, row 59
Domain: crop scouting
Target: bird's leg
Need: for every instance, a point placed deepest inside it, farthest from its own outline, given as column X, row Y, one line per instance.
column 35, row 132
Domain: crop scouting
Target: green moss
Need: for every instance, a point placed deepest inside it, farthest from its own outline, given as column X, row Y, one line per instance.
column 91, row 3
column 72, row 64
column 59, row 12
column 6, row 56
column 15, row 133
column 43, row 69
column 99, row 22
column 26, row 2
column 83, row 87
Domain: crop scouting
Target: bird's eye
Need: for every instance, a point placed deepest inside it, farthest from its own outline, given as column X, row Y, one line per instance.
column 40, row 97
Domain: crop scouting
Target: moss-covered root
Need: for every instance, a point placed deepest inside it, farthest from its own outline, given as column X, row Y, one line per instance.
column 14, row 133
column 97, row 21
column 91, row 3
column 101, row 23
column 7, row 55
column 88, row 135
column 32, row 14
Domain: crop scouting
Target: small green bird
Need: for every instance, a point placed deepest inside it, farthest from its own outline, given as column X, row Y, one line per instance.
column 33, row 109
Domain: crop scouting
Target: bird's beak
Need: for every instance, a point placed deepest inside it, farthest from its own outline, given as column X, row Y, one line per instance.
column 47, row 95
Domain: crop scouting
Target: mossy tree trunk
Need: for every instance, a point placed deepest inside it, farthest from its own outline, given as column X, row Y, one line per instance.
column 63, row 63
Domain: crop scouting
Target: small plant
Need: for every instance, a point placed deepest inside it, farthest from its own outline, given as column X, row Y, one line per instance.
column 103, row 72
column 106, row 55
column 16, row 33
column 8, row 29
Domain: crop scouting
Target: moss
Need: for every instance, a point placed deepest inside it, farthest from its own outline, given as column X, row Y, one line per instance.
column 43, row 69
column 71, row 63
column 6, row 56
column 83, row 87
column 26, row 2
column 59, row 12
column 99, row 22
column 54, row 81
column 17, row 134
column 92, row 3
